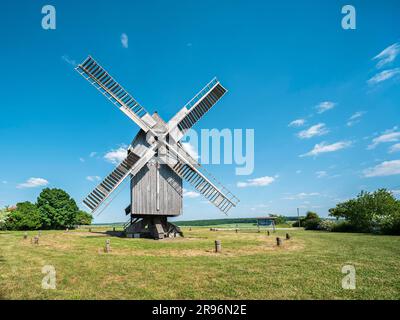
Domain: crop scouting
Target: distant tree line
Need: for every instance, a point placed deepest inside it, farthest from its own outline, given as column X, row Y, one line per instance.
column 369, row 212
column 54, row 209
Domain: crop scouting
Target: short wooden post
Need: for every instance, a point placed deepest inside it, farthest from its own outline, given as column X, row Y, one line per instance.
column 107, row 248
column 217, row 246
column 236, row 230
column 287, row 236
column 190, row 229
column 25, row 235
column 278, row 241
column 113, row 229
column 268, row 233
column 90, row 229
column 36, row 240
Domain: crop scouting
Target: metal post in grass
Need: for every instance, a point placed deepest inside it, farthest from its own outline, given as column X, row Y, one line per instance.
column 217, row 246
column 278, row 241
column 287, row 236
column 40, row 233
column 36, row 240
column 107, row 248
column 25, row 235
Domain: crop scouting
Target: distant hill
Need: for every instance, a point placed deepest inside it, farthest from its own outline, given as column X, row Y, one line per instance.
column 212, row 222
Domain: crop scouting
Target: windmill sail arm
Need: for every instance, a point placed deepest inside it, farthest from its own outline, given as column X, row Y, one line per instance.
column 208, row 186
column 195, row 109
column 129, row 166
column 114, row 92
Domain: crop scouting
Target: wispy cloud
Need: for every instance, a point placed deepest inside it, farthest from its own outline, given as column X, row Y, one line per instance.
column 388, row 55
column 81, row 159
column 92, row 154
column 386, row 168
column 355, row 118
column 326, row 148
column 117, row 155
column 314, row 131
column 33, row 183
column 300, row 196
column 190, row 194
column 394, row 148
column 257, row 182
column 383, row 76
column 325, row 106
column 297, row 123
column 391, row 135
column 124, row 40
column 93, row 178
column 190, row 149
column 68, row 60
column 321, row 174
column 4, row 182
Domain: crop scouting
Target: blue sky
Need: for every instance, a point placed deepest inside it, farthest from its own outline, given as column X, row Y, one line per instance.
column 281, row 61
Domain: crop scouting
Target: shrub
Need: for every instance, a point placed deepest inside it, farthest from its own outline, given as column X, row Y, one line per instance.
column 25, row 217
column 343, row 226
column 326, row 225
column 378, row 211
column 83, row 218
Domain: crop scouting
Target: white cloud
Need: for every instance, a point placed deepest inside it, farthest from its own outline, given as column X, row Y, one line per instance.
column 124, row 40
column 386, row 168
column 190, row 194
column 4, row 182
column 297, row 123
column 383, row 76
column 394, row 148
column 314, row 131
column 387, row 55
column 116, row 156
column 33, row 183
column 301, row 195
column 93, row 178
column 325, row 106
column 190, row 149
column 257, row 182
column 298, row 171
column 391, row 135
column 68, row 60
column 395, row 192
column 92, row 154
column 325, row 148
column 321, row 174
column 81, row 159
column 355, row 118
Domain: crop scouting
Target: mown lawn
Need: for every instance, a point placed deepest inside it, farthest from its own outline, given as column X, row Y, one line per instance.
column 250, row 266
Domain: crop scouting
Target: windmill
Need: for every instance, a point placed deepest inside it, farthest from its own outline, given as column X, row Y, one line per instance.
column 156, row 162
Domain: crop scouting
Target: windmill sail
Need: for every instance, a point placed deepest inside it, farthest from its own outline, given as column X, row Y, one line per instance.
column 130, row 165
column 196, row 108
column 112, row 90
column 218, row 195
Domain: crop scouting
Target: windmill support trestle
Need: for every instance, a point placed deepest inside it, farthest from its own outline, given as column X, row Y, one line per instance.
column 152, row 226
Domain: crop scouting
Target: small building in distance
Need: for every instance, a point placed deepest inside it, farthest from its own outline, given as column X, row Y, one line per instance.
column 266, row 222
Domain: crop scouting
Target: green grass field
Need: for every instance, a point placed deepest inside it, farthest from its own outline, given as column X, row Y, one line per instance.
column 250, row 266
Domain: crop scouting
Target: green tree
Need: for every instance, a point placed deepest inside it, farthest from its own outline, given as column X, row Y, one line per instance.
column 371, row 212
column 311, row 221
column 26, row 217
column 58, row 210
column 4, row 215
column 83, row 218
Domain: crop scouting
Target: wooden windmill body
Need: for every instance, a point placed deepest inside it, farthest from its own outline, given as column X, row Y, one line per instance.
column 156, row 162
